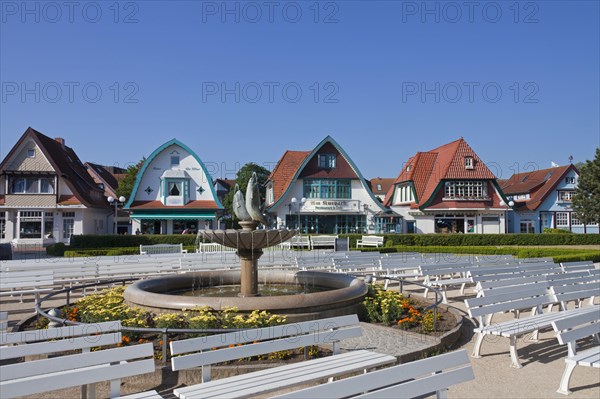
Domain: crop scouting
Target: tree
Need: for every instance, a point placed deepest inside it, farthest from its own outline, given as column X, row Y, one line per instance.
column 126, row 183
column 241, row 179
column 586, row 201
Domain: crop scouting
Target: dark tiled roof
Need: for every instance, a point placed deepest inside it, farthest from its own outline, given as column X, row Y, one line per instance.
column 538, row 184
column 67, row 165
column 384, row 182
column 104, row 174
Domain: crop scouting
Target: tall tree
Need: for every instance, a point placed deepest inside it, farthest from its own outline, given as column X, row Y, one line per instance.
column 126, row 183
column 241, row 179
column 586, row 201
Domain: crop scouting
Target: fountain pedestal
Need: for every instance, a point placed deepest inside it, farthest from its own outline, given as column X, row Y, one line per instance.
column 249, row 264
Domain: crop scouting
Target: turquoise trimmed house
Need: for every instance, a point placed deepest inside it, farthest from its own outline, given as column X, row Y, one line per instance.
column 173, row 193
column 322, row 192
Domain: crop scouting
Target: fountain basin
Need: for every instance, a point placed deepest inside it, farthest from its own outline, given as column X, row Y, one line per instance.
column 343, row 296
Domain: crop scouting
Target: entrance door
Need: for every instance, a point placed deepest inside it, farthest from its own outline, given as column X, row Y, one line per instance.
column 526, row 226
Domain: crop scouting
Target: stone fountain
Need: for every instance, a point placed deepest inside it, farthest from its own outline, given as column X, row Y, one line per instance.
column 340, row 294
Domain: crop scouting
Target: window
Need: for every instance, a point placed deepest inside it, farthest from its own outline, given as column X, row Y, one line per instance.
column 575, row 221
column 404, row 193
column 32, row 185
column 101, row 186
column 174, row 190
column 327, row 188
column 30, row 224
column 570, row 180
column 379, row 187
column 174, row 160
column 326, row 161
column 562, row 218
column 2, row 225
column 68, row 224
column 31, row 153
column 469, row 164
column 565, row 196
column 465, row 190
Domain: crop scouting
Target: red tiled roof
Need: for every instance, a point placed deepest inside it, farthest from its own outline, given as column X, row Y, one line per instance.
column 136, row 205
column 538, row 184
column 68, row 200
column 427, row 169
column 284, row 171
column 384, row 182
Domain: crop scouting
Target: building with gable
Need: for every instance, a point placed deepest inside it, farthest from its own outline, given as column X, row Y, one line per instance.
column 322, row 192
column 543, row 200
column 173, row 193
column 380, row 186
column 46, row 194
column 448, row 190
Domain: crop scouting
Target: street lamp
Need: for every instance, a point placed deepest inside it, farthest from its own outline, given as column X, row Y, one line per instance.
column 113, row 200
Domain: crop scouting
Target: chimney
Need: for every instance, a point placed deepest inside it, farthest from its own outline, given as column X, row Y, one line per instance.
column 61, row 141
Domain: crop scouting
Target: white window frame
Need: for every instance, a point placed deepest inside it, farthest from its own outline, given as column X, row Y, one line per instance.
column 565, row 195
column 31, row 153
column 561, row 219
column 570, row 180
column 466, row 190
column 326, row 161
column 469, row 163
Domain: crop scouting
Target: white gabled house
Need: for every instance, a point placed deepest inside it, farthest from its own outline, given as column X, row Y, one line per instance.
column 173, row 193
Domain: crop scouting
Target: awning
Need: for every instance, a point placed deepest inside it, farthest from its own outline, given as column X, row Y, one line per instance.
column 173, row 216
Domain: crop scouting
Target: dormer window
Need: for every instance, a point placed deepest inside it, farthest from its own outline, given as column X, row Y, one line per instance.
column 174, row 160
column 570, row 180
column 326, row 161
column 31, row 153
column 174, row 190
column 469, row 163
column 379, row 187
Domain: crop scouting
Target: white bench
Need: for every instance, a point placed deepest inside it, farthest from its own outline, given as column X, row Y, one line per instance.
column 370, row 241
column 573, row 266
column 445, row 275
column 299, row 241
column 26, row 282
column 213, row 248
column 196, row 352
column 323, row 241
column 41, row 376
column 3, row 321
column 82, row 368
column 568, row 331
column 159, row 249
column 361, row 264
column 534, row 298
column 409, row 380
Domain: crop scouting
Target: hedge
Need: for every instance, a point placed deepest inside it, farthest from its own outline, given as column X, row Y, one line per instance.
column 557, row 254
column 120, row 241
column 393, row 240
column 115, row 251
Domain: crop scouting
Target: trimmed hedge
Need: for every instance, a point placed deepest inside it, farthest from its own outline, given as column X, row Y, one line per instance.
column 57, row 249
column 116, row 251
column 394, row 240
column 120, row 241
column 557, row 254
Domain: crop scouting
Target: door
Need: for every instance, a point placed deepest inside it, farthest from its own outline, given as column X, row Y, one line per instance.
column 470, row 227
column 491, row 224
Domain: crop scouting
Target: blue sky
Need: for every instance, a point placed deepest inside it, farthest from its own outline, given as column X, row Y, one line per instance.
column 244, row 81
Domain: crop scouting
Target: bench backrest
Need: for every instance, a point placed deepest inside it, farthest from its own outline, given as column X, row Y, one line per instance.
column 3, row 321
column 409, row 380
column 204, row 351
column 22, row 279
column 74, row 370
column 300, row 241
column 571, row 292
column 161, row 249
column 322, row 240
column 583, row 265
column 523, row 297
column 440, row 269
column 570, row 329
column 55, row 340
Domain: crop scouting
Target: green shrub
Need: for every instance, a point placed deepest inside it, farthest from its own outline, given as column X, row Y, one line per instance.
column 57, row 249
column 114, row 240
column 548, row 230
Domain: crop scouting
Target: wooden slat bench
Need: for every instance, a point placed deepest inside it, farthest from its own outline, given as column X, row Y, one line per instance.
column 42, row 376
column 322, row 241
column 159, row 249
column 300, row 241
column 267, row 340
column 409, row 380
column 568, row 331
column 370, row 241
column 26, row 282
column 529, row 297
column 445, row 275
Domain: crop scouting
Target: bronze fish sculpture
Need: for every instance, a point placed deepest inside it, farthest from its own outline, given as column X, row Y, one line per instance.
column 239, row 205
column 253, row 201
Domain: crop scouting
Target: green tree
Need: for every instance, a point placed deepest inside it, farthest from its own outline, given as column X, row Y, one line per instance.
column 586, row 201
column 126, row 183
column 241, row 179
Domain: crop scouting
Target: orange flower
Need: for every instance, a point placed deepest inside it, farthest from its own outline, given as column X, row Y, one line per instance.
column 160, row 342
